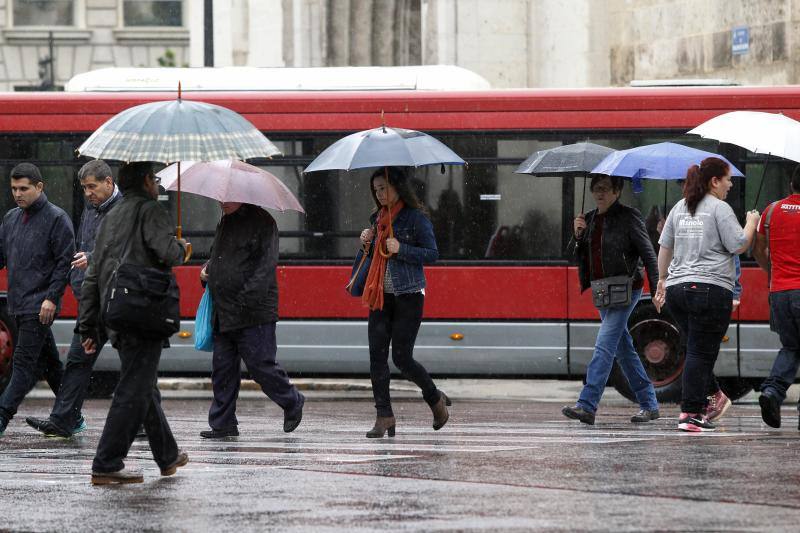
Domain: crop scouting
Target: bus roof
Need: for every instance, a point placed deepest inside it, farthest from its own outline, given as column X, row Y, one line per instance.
column 413, row 78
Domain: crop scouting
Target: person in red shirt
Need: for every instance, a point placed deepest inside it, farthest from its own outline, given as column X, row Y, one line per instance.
column 777, row 250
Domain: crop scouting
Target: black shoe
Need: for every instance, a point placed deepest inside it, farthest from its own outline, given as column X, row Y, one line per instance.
column 291, row 421
column 578, row 413
column 219, row 433
column 179, row 461
column 116, row 478
column 47, row 427
column 770, row 410
column 3, row 425
column 141, row 433
column 36, row 423
column 645, row 415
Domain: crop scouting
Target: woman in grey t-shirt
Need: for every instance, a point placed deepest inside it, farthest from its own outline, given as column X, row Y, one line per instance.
column 696, row 275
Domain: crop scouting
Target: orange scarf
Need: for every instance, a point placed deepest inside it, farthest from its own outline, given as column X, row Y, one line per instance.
column 373, row 288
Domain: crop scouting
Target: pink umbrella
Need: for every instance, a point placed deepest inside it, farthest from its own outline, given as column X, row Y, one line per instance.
column 231, row 181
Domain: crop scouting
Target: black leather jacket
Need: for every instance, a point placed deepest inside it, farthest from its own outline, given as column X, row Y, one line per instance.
column 625, row 246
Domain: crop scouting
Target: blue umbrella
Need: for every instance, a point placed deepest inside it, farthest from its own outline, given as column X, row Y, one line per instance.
column 662, row 161
column 384, row 147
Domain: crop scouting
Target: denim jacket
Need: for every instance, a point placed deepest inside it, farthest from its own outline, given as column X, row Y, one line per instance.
column 417, row 247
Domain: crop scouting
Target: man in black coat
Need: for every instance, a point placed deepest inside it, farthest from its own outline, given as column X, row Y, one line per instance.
column 143, row 225
column 241, row 276
column 101, row 195
column 36, row 246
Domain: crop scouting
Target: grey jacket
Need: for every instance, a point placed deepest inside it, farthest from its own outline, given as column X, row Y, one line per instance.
column 37, row 253
column 86, row 235
column 152, row 244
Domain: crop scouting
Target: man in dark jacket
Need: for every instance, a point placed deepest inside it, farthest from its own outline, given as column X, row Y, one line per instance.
column 101, row 196
column 36, row 246
column 241, row 276
column 144, row 226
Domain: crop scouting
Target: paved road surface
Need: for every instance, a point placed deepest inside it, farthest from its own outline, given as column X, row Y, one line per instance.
column 510, row 465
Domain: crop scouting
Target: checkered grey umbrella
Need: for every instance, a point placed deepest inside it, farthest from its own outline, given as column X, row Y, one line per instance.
column 177, row 130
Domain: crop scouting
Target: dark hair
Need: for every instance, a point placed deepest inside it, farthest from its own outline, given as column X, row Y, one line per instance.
column 27, row 170
column 698, row 180
column 616, row 181
column 97, row 168
column 796, row 179
column 399, row 180
column 132, row 175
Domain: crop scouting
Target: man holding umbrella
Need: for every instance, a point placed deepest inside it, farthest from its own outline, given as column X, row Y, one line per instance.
column 141, row 228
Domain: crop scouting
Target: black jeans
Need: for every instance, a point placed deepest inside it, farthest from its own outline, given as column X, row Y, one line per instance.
column 35, row 356
column 136, row 399
column 74, row 385
column 257, row 347
column 785, row 309
column 703, row 313
column 397, row 323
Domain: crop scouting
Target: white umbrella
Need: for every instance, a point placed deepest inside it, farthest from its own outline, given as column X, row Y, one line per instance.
column 759, row 132
column 231, row 181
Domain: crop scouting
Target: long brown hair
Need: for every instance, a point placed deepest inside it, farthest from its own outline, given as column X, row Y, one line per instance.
column 399, row 180
column 698, row 180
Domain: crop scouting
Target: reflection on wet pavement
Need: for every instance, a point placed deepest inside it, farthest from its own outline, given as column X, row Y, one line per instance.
column 497, row 465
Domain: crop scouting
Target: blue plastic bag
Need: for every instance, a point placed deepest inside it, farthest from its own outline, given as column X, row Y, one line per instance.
column 203, row 334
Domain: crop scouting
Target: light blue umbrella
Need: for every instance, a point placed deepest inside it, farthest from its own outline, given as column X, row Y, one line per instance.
column 662, row 161
column 384, row 147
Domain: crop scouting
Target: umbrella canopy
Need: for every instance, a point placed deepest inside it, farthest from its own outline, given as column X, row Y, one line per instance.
column 759, row 132
column 662, row 161
column 384, row 147
column 571, row 159
column 177, row 130
column 231, row 181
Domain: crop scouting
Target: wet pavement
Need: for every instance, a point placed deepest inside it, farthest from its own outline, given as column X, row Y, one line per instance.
column 512, row 465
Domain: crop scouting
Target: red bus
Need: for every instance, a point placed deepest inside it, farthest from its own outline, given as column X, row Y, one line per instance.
column 503, row 299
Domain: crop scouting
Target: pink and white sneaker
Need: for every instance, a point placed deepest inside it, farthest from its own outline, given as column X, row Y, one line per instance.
column 717, row 405
column 694, row 423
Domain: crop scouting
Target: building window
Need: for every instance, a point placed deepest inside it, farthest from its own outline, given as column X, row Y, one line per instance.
column 152, row 13
column 44, row 12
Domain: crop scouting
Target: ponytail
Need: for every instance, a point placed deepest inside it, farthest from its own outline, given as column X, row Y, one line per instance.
column 698, row 180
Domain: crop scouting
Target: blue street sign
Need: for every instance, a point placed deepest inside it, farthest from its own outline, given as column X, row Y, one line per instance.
column 741, row 40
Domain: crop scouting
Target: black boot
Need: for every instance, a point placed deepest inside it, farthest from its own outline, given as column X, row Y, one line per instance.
column 578, row 413
column 440, row 413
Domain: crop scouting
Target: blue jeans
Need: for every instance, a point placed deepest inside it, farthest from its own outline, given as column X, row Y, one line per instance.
column 785, row 309
column 35, row 355
column 614, row 341
column 703, row 313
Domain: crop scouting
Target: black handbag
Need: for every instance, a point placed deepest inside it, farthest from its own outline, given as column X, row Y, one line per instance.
column 142, row 300
column 614, row 291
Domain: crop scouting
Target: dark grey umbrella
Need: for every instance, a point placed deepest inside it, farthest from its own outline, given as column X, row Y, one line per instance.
column 570, row 160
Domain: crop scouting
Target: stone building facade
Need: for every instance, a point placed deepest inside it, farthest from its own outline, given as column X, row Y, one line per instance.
column 511, row 43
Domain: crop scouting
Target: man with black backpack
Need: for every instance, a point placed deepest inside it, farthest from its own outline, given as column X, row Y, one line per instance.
column 776, row 250
column 137, row 232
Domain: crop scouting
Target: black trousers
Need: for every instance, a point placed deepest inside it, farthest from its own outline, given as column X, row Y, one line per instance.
column 257, row 347
column 74, row 385
column 136, row 400
column 35, row 356
column 397, row 324
column 703, row 313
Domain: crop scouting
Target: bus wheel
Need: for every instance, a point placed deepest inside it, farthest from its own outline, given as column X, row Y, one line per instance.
column 8, row 334
column 102, row 384
column 658, row 342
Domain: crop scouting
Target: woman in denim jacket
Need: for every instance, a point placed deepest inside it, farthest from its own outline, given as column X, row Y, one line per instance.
column 395, row 293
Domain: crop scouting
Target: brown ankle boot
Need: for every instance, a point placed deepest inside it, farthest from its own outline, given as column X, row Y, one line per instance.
column 382, row 425
column 440, row 413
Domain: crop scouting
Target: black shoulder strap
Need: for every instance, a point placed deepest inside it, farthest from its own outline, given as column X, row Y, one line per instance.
column 126, row 249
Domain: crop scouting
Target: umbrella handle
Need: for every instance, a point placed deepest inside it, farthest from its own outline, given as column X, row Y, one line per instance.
column 387, row 254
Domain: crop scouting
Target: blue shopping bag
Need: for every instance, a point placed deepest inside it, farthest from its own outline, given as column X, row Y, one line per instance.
column 203, row 334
